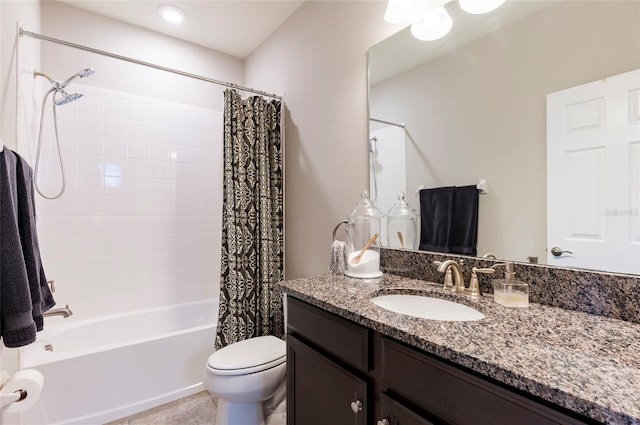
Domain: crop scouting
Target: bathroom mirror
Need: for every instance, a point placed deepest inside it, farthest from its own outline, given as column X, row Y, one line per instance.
column 473, row 106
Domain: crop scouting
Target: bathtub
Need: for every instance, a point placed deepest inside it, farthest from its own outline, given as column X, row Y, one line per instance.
column 103, row 369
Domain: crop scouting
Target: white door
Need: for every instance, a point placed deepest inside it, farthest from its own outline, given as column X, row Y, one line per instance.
column 593, row 175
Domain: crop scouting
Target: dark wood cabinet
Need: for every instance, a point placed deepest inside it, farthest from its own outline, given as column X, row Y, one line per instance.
column 339, row 372
column 455, row 396
column 396, row 413
column 339, row 338
column 320, row 392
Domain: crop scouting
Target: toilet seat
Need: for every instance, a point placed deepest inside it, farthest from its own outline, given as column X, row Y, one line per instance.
column 248, row 356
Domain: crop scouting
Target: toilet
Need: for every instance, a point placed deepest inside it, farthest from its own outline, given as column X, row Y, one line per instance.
column 248, row 378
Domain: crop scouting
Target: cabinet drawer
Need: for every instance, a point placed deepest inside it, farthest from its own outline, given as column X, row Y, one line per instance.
column 397, row 414
column 328, row 333
column 455, row 396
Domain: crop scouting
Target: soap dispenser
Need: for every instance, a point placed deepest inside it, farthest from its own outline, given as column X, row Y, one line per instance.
column 402, row 225
column 509, row 291
column 363, row 247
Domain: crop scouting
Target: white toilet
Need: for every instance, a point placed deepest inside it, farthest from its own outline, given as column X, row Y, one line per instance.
column 248, row 378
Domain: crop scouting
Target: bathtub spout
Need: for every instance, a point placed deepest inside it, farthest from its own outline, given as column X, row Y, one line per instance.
column 64, row 312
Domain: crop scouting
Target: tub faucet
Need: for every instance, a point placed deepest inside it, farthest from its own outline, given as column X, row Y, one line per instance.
column 451, row 266
column 64, row 312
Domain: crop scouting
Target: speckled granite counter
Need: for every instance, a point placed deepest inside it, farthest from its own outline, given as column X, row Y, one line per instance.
column 588, row 364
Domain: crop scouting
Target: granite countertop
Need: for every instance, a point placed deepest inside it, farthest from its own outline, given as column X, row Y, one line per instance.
column 585, row 363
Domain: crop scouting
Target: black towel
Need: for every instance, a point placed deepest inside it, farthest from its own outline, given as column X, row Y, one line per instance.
column 449, row 220
column 24, row 294
column 464, row 238
column 436, row 213
column 41, row 297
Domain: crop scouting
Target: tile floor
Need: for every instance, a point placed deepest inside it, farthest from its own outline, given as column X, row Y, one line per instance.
column 198, row 409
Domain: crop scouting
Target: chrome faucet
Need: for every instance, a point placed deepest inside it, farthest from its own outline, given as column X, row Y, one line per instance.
column 64, row 312
column 453, row 269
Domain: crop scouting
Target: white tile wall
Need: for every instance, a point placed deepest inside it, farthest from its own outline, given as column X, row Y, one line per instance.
column 139, row 224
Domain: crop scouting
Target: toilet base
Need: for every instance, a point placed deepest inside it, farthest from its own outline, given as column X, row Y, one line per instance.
column 239, row 413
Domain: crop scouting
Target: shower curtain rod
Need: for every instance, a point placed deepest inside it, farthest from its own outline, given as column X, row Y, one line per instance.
column 386, row 122
column 24, row 32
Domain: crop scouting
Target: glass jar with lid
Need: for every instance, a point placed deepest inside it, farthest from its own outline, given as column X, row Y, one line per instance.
column 402, row 225
column 363, row 247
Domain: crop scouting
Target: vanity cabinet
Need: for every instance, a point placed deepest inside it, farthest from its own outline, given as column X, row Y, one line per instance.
column 455, row 396
column 327, row 368
column 339, row 372
column 393, row 412
column 320, row 391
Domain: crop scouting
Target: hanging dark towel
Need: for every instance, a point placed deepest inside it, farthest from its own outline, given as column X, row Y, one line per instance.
column 449, row 220
column 24, row 293
column 436, row 214
column 41, row 297
column 464, row 237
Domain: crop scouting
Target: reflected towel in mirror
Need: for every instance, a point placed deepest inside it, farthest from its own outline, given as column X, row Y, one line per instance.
column 449, row 219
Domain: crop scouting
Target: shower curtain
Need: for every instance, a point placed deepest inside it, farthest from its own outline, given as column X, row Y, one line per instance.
column 252, row 220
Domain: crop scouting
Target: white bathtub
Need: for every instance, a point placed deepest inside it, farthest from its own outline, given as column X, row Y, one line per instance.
column 108, row 368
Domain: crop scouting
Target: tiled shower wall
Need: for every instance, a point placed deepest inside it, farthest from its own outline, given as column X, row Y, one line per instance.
column 139, row 224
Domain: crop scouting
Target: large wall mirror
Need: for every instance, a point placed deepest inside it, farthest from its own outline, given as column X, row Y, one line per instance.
column 473, row 106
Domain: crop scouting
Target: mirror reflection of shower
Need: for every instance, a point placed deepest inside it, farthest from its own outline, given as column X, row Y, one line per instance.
column 60, row 96
column 373, row 169
column 387, row 162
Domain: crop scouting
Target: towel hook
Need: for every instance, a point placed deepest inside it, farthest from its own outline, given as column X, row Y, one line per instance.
column 483, row 187
column 335, row 229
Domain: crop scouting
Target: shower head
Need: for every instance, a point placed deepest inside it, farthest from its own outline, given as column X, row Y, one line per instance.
column 372, row 141
column 67, row 98
column 82, row 74
column 86, row 73
column 59, row 86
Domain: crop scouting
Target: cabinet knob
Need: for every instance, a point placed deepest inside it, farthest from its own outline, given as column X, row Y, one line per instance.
column 356, row 406
column 382, row 422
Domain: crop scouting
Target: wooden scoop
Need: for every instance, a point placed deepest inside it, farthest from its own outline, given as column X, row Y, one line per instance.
column 358, row 257
column 401, row 240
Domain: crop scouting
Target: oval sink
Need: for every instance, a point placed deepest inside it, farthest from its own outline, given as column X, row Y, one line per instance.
column 427, row 307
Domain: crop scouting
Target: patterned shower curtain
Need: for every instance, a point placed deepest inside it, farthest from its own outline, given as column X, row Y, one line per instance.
column 252, row 220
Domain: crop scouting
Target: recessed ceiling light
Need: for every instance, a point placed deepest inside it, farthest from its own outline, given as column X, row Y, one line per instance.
column 171, row 13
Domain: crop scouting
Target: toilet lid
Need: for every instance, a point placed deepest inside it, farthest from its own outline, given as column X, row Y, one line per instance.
column 249, row 356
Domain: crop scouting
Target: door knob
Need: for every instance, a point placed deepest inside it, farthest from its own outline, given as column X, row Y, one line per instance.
column 382, row 422
column 356, row 406
column 556, row 251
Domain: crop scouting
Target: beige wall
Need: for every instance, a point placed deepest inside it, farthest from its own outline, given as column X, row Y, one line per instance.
column 480, row 112
column 318, row 59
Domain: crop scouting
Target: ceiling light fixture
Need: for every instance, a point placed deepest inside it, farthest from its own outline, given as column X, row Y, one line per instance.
column 478, row 7
column 404, row 11
column 429, row 19
column 434, row 25
column 172, row 14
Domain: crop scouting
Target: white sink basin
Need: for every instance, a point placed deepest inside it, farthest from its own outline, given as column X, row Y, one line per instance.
column 427, row 307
